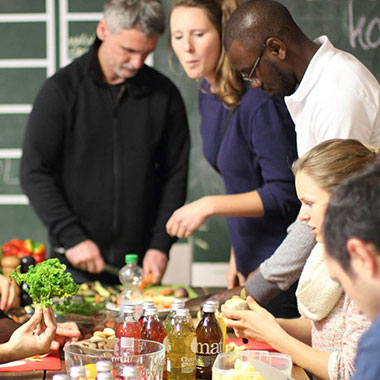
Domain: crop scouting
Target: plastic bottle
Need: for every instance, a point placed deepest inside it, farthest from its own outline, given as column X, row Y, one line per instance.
column 178, row 303
column 182, row 347
column 77, row 373
column 60, row 376
column 209, row 341
column 130, row 373
column 221, row 322
column 145, row 305
column 105, row 376
column 104, row 366
column 127, row 330
column 130, row 276
column 152, row 328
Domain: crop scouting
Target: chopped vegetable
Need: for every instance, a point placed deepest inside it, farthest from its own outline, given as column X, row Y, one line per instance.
column 46, row 281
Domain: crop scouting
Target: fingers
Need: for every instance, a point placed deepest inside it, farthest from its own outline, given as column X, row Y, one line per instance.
column 51, row 325
column 34, row 321
column 68, row 331
column 5, row 284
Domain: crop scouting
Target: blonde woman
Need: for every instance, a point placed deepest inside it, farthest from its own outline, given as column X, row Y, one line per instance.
column 324, row 340
column 248, row 137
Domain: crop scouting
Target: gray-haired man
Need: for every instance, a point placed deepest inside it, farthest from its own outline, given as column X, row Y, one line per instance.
column 105, row 152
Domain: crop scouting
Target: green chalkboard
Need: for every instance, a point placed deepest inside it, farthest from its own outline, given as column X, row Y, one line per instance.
column 38, row 35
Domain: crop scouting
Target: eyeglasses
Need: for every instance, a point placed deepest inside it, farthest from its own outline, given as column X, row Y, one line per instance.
column 248, row 78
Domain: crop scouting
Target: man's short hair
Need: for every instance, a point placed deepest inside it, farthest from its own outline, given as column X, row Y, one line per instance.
column 353, row 212
column 254, row 21
column 146, row 15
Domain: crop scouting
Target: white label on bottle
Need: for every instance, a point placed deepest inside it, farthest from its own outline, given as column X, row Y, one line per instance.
column 126, row 342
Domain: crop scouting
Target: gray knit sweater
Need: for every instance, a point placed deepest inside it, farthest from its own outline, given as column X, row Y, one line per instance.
column 284, row 267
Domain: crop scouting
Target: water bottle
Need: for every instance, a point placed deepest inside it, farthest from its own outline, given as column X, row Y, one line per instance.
column 131, row 277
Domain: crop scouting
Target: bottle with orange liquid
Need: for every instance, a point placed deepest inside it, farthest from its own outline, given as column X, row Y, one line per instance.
column 127, row 330
column 152, row 328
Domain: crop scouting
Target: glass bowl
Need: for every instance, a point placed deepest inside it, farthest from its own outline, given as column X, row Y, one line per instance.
column 147, row 355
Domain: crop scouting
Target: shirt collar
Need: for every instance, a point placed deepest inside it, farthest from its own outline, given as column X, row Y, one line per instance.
column 137, row 86
column 314, row 69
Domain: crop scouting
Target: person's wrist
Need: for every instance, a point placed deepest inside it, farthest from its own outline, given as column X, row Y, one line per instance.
column 208, row 205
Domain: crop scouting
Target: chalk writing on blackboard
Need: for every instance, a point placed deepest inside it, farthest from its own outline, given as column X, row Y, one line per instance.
column 365, row 31
column 7, row 172
column 78, row 45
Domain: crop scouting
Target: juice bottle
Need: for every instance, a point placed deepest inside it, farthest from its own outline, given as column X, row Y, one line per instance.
column 182, row 347
column 221, row 322
column 145, row 305
column 209, row 342
column 152, row 328
column 127, row 330
column 177, row 304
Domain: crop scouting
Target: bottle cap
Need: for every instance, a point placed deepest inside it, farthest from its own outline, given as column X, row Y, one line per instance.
column 182, row 312
column 177, row 306
column 104, row 366
column 129, row 308
column 178, row 301
column 151, row 311
column 131, row 258
column 77, row 371
column 209, row 308
column 213, row 302
column 130, row 371
column 104, row 376
column 60, row 376
column 147, row 304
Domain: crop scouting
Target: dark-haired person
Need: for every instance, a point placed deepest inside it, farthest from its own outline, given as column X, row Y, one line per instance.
column 328, row 92
column 247, row 136
column 352, row 254
column 33, row 337
column 105, row 152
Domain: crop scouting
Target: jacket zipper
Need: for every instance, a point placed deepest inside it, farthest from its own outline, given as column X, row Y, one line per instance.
column 116, row 169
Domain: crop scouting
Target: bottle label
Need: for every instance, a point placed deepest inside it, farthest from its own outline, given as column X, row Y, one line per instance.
column 127, row 343
column 188, row 364
column 215, row 348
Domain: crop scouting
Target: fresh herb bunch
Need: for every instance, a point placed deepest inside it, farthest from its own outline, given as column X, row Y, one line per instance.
column 46, row 281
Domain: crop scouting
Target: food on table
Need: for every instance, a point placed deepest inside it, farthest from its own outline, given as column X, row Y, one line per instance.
column 233, row 347
column 9, row 264
column 46, row 281
column 181, row 293
column 243, row 370
column 100, row 340
column 27, row 247
column 236, row 303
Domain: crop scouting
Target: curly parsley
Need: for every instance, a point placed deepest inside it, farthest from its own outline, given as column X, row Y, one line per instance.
column 47, row 280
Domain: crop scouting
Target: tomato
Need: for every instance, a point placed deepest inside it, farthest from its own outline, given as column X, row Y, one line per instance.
column 38, row 258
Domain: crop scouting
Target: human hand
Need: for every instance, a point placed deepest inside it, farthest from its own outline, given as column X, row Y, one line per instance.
column 67, row 332
column 187, row 219
column 224, row 295
column 33, row 338
column 86, row 256
column 10, row 293
column 233, row 277
column 154, row 265
column 256, row 323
